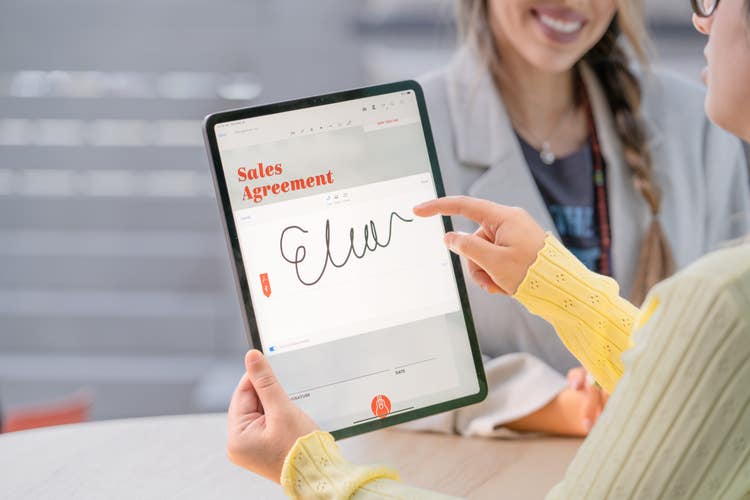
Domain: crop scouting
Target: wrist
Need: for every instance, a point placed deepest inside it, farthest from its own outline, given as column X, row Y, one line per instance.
column 545, row 244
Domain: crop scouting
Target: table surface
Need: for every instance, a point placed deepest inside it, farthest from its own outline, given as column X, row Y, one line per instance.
column 183, row 457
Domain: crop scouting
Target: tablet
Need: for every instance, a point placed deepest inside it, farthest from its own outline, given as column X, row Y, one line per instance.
column 356, row 302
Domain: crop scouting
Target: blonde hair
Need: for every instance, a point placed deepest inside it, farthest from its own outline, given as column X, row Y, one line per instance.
column 610, row 63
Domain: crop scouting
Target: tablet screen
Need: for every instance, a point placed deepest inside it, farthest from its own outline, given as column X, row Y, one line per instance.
column 353, row 298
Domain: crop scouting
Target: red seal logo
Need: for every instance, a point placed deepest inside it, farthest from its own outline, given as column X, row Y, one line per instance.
column 381, row 406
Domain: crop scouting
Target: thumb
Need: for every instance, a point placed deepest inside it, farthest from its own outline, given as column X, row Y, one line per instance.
column 270, row 393
column 478, row 250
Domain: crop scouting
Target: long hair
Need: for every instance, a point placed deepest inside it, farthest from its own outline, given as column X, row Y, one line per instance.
column 610, row 63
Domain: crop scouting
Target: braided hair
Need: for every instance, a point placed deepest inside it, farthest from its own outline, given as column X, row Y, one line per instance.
column 622, row 88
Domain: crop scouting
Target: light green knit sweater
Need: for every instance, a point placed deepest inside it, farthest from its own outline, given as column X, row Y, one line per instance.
column 676, row 427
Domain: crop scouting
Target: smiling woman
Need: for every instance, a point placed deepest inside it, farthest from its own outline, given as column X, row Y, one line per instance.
column 561, row 39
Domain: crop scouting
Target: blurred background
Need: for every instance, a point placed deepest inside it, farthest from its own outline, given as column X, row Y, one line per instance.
column 116, row 298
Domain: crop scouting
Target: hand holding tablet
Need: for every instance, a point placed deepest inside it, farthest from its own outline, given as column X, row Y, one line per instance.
column 357, row 304
column 264, row 423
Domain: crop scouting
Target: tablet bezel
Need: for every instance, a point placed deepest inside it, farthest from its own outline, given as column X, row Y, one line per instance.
column 238, row 268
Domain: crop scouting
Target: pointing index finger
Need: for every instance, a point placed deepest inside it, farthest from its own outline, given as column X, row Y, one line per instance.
column 477, row 210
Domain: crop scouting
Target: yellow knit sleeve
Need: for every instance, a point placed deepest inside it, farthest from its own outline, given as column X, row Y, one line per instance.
column 315, row 468
column 585, row 308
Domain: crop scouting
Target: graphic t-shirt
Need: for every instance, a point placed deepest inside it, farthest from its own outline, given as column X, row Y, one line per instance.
column 567, row 189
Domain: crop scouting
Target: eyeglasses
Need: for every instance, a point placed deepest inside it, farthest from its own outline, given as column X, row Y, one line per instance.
column 704, row 8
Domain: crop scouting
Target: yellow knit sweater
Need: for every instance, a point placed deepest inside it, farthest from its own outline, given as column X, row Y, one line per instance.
column 678, row 425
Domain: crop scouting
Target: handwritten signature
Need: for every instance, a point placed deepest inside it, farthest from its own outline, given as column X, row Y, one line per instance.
column 371, row 243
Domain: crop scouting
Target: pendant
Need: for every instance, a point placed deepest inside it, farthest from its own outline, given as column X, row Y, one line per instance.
column 546, row 154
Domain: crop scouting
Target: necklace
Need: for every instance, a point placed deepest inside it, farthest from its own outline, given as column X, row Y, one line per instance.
column 546, row 154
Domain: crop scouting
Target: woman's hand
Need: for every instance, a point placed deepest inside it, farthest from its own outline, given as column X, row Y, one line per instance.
column 501, row 251
column 263, row 422
column 595, row 396
column 573, row 412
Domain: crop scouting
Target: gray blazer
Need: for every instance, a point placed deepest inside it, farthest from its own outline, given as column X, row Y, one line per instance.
column 700, row 169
